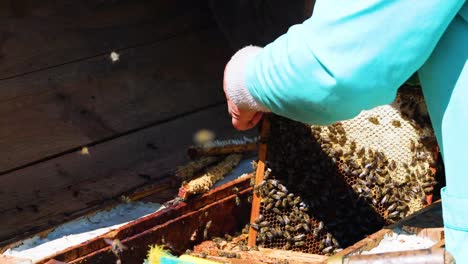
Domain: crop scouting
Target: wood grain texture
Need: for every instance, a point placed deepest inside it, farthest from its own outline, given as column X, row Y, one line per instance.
column 51, row 192
column 40, row 34
column 53, row 111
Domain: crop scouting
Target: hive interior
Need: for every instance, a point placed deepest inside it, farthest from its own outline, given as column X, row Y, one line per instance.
column 330, row 186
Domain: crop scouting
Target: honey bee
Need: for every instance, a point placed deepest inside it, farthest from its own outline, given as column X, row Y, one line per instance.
column 384, row 199
column 281, row 194
column 238, row 201
column 396, row 123
column 320, row 226
column 374, row 120
column 393, row 214
column 361, row 152
column 286, row 219
column 276, row 210
column 280, row 219
column 299, row 243
column 391, row 207
column 328, row 239
column 255, row 226
column 327, row 250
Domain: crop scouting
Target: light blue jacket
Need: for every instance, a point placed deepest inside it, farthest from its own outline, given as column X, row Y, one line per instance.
column 353, row 55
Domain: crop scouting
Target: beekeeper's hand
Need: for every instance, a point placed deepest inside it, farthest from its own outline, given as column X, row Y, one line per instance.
column 245, row 111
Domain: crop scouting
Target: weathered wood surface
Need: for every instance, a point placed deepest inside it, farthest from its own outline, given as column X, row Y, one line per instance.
column 263, row 255
column 49, row 112
column 156, row 219
column 53, row 191
column 39, row 34
column 182, row 231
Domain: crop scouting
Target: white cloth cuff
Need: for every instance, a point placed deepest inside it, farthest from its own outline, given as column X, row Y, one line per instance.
column 234, row 82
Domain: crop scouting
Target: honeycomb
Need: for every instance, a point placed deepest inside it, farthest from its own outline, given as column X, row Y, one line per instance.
column 329, row 186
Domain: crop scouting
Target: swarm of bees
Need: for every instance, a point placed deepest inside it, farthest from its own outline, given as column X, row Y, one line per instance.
column 333, row 185
column 284, row 221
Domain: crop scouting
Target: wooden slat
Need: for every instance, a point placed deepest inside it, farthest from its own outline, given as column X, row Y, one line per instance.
column 40, row 34
column 51, row 192
column 177, row 233
column 49, row 112
column 159, row 218
column 262, row 156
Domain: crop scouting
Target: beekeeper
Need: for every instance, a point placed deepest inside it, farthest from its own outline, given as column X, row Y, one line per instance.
column 354, row 55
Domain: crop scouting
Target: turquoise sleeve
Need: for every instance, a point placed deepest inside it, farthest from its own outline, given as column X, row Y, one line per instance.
column 349, row 56
column 444, row 78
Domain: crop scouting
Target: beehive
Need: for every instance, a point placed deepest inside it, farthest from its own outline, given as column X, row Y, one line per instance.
column 329, row 186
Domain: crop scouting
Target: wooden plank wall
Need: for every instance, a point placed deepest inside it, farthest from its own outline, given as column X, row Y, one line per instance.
column 59, row 91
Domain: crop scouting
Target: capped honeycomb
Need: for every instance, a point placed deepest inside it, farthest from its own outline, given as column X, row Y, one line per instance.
column 327, row 187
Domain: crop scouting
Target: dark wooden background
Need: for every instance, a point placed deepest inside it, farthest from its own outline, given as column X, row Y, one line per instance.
column 60, row 91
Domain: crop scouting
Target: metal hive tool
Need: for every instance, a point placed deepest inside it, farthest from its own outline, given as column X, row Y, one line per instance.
column 329, row 186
